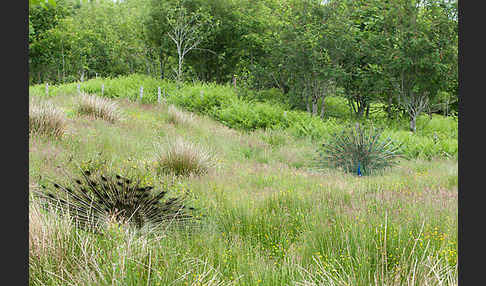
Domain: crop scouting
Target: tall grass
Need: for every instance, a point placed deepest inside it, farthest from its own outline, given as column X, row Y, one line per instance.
column 267, row 218
column 183, row 158
column 98, row 107
column 46, row 119
column 179, row 117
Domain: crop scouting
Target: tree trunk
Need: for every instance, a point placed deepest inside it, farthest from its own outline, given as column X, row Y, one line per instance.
column 322, row 107
column 307, row 101
column 161, row 69
column 314, row 105
column 388, row 108
column 179, row 71
column 413, row 121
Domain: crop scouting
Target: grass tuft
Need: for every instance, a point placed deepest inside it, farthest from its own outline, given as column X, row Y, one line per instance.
column 98, row 107
column 46, row 119
column 182, row 158
column 178, row 117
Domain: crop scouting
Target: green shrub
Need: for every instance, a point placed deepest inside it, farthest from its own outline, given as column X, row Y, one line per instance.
column 46, row 119
column 204, row 98
column 439, row 126
column 424, row 147
column 336, row 106
column 252, row 116
column 273, row 96
column 359, row 148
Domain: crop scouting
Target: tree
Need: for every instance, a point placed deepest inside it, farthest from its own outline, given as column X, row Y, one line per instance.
column 101, row 37
column 352, row 46
column 174, row 24
column 42, row 3
column 307, row 59
column 186, row 30
column 424, row 55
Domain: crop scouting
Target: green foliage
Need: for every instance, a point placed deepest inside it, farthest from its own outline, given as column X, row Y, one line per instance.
column 203, row 98
column 104, row 38
column 222, row 103
column 360, row 147
column 252, row 116
column 272, row 96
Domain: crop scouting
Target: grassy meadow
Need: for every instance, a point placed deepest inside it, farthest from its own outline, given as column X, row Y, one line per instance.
column 267, row 215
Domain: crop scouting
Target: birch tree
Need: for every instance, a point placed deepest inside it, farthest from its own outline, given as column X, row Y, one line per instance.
column 186, row 30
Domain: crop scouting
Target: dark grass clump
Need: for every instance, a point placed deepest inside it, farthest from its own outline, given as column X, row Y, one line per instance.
column 94, row 202
column 359, row 150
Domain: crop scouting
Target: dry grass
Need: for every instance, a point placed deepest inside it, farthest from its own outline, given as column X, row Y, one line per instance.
column 428, row 270
column 98, row 107
column 182, row 158
column 46, row 119
column 47, row 234
column 178, row 117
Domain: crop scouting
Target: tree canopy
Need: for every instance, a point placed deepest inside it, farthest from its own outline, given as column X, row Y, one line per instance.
column 400, row 53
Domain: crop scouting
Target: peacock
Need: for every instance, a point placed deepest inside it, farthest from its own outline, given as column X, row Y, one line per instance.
column 94, row 201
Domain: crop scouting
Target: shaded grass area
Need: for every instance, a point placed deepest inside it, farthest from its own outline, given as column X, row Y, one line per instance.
column 269, row 218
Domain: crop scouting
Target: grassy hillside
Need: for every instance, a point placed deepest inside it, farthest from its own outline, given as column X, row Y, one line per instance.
column 436, row 136
column 266, row 218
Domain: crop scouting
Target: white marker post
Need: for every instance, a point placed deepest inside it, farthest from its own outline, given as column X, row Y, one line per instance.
column 141, row 93
column 102, row 89
column 158, row 94
column 47, row 89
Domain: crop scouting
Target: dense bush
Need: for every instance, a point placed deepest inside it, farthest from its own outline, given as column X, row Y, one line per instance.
column 251, row 116
column 203, row 98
